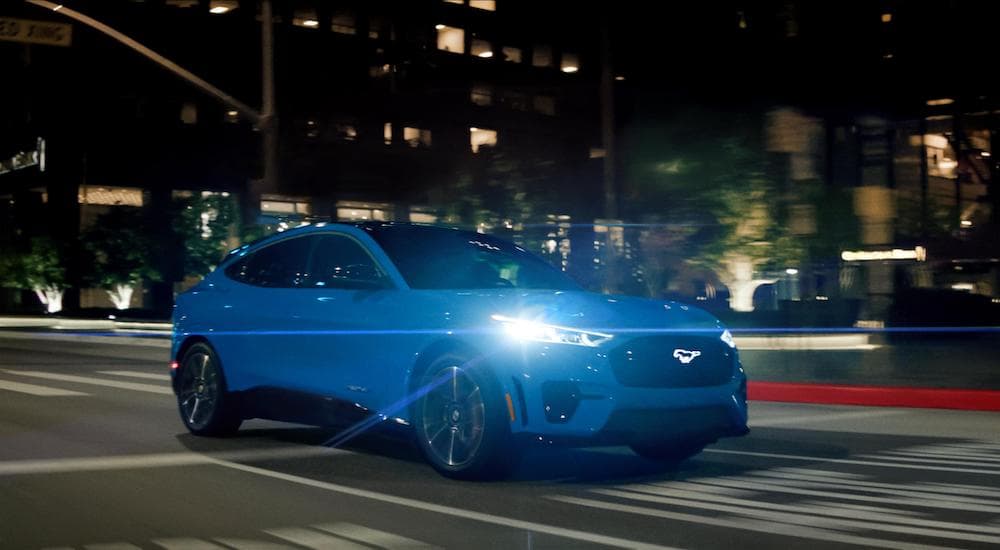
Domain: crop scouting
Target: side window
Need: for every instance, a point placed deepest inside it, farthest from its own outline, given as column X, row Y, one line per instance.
column 280, row 265
column 339, row 261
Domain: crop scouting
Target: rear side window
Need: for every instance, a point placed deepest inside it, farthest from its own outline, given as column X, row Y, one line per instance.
column 280, row 265
column 339, row 261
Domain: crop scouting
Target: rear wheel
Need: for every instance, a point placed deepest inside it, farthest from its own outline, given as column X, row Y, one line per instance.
column 461, row 423
column 669, row 451
column 206, row 407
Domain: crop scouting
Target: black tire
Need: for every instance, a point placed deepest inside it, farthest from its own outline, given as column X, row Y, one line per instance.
column 669, row 451
column 461, row 421
column 205, row 405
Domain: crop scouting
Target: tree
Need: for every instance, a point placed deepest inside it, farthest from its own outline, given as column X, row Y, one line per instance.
column 121, row 254
column 40, row 269
column 708, row 176
column 202, row 225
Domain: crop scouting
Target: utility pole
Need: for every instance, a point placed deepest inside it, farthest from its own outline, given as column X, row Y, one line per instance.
column 268, row 124
column 608, row 125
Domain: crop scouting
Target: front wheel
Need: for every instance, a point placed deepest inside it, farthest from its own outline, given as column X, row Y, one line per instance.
column 205, row 406
column 461, row 423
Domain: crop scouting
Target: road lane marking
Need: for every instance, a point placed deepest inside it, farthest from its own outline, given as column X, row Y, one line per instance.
column 968, row 462
column 772, row 528
column 790, row 516
column 851, row 461
column 186, row 544
column 246, row 544
column 314, row 540
column 832, row 417
column 563, row 532
column 867, row 486
column 134, row 374
column 32, row 389
column 112, row 546
column 161, row 460
column 134, row 386
column 373, row 537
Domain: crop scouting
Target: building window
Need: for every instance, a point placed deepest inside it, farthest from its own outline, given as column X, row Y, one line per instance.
column 379, row 71
column 450, row 39
column 109, row 196
column 541, row 56
column 514, row 100
column 454, row 2
column 511, row 54
column 312, row 129
column 387, row 133
column 219, row 7
column 305, row 17
column 364, row 211
column 482, row 94
column 377, row 28
column 346, row 132
column 482, row 48
column 570, row 63
column 479, row 137
column 182, row 3
column 422, row 215
column 417, row 137
column 344, row 22
column 189, row 113
column 545, row 104
column 232, row 116
column 285, row 207
column 488, row 5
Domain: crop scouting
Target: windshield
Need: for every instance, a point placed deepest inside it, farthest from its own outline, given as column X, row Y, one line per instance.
column 438, row 258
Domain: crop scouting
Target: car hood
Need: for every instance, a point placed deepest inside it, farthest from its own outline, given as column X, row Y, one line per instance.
column 589, row 311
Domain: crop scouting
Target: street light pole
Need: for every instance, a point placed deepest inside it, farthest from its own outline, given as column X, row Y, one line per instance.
column 265, row 119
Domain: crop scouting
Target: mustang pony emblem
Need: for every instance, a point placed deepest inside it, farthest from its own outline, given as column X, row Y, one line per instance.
column 685, row 356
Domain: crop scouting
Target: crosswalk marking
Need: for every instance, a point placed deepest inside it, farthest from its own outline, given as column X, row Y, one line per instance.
column 134, row 374
column 163, row 390
column 245, row 544
column 314, row 539
column 186, row 544
column 879, row 463
column 112, row 546
column 373, row 537
column 32, row 389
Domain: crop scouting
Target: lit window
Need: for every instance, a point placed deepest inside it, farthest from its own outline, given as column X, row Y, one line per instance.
column 454, row 1
column 182, row 3
column 887, row 17
column 312, row 129
column 305, row 17
column 482, row 94
column 450, row 39
column 109, row 196
column 346, row 132
column 344, row 23
column 488, row 5
column 364, row 211
column 481, row 136
column 481, row 48
column 189, row 113
column 541, row 56
column 379, row 71
column 418, row 216
column 570, row 63
column 417, row 137
column 376, row 28
column 285, row 206
column 511, row 54
column 232, row 116
column 387, row 133
column 545, row 104
column 218, row 7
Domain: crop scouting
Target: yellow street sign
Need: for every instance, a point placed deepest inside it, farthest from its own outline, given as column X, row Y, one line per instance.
column 35, row 32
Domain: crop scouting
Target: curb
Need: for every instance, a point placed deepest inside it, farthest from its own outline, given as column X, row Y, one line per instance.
column 875, row 396
column 120, row 339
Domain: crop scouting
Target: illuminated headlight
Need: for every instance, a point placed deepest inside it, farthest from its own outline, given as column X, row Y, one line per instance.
column 727, row 337
column 533, row 331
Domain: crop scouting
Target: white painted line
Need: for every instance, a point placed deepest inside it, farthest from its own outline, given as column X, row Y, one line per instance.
column 869, row 486
column 161, row 460
column 851, row 461
column 87, row 338
column 314, row 540
column 832, row 417
column 801, row 519
column 133, row 374
column 931, row 453
column 691, row 484
column 448, row 510
column 969, row 462
column 112, row 546
column 769, row 527
column 186, row 544
column 245, row 544
column 824, row 473
column 778, row 486
column 957, row 488
column 373, row 537
column 862, row 507
column 32, row 389
column 134, row 386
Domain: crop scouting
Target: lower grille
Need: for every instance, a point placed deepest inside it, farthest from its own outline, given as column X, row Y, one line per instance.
column 656, row 361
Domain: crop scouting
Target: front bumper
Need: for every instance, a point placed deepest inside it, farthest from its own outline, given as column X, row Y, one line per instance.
column 570, row 395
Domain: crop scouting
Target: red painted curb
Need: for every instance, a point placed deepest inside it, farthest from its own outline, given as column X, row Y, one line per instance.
column 875, row 396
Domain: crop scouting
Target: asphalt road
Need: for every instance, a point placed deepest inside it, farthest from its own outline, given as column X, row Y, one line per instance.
column 92, row 455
